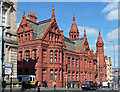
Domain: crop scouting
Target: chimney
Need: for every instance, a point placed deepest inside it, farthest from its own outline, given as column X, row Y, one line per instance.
column 62, row 34
column 32, row 16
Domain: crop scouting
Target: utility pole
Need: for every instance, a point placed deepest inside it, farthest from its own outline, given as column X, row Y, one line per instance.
column 0, row 47
column 114, row 62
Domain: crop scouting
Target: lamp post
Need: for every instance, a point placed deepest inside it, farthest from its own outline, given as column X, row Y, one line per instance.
column 114, row 61
column 2, row 60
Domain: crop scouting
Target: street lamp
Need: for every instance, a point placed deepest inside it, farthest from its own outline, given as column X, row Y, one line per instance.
column 114, row 61
column 2, row 63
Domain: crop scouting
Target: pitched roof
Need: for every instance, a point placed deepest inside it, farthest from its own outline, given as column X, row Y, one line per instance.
column 72, row 44
column 39, row 28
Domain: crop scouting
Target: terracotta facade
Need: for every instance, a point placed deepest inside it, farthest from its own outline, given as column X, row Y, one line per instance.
column 44, row 51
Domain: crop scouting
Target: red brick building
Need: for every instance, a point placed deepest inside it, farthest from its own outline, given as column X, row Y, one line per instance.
column 44, row 51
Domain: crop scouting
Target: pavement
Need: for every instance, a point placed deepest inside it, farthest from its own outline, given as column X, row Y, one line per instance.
column 63, row 89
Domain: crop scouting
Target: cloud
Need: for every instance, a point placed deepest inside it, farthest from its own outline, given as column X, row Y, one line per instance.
column 113, row 35
column 89, row 31
column 112, row 10
column 110, row 48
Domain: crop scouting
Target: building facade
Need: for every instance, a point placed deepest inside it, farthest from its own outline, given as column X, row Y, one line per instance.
column 9, row 18
column 109, row 68
column 44, row 51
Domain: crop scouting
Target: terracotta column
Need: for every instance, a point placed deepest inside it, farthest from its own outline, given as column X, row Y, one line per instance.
column 57, row 74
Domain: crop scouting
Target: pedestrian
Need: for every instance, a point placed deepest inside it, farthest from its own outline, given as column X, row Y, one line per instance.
column 54, row 84
column 78, row 85
column 38, row 86
column 108, row 85
column 4, row 86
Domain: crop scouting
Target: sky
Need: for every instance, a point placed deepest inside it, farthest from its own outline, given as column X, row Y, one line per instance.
column 93, row 16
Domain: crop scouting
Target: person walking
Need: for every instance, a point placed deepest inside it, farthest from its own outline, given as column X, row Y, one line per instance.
column 108, row 85
column 38, row 86
column 54, row 85
column 4, row 86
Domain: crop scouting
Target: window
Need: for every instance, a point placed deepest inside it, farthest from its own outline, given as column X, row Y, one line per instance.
column 90, row 64
column 27, row 56
column 76, row 75
column 55, row 56
column 26, row 37
column 55, row 74
column 73, row 76
column 35, row 51
column 29, row 37
column 19, row 38
column 51, row 74
column 68, row 61
column 69, row 76
column 85, row 64
column 21, row 56
column 101, row 69
column 59, row 55
column 76, row 62
column 4, row 18
column 51, row 56
column 90, row 76
column 22, row 38
column 72, row 62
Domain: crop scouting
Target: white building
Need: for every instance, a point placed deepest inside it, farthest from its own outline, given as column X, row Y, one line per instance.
column 109, row 68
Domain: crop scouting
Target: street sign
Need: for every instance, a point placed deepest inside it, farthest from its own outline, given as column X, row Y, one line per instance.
column 8, row 64
column 8, row 71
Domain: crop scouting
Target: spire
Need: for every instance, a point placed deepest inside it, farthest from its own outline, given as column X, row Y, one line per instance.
column 73, row 17
column 99, row 33
column 99, row 40
column 85, row 33
column 53, row 14
column 23, row 15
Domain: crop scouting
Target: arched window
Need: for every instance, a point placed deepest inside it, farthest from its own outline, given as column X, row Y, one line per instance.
column 77, row 63
column 72, row 62
column 55, row 56
column 25, row 37
column 69, row 76
column 90, row 64
column 29, row 37
column 27, row 56
column 56, row 74
column 72, row 75
column 51, row 74
column 51, row 56
column 22, row 38
column 68, row 61
column 59, row 55
column 76, row 75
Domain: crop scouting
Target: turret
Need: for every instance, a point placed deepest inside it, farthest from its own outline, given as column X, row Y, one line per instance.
column 74, row 32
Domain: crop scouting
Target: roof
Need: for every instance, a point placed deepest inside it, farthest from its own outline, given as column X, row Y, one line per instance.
column 39, row 28
column 72, row 44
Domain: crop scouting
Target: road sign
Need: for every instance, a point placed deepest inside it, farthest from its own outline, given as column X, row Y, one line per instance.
column 8, row 71
column 8, row 64
column 65, row 74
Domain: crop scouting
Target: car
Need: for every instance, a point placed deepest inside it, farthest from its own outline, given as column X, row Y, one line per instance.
column 88, row 85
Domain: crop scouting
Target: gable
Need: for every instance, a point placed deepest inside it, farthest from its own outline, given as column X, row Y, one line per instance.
column 52, row 33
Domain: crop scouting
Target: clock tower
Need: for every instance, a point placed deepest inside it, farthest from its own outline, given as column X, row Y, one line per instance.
column 100, row 58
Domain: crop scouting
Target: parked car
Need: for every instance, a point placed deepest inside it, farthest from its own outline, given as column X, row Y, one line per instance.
column 89, row 85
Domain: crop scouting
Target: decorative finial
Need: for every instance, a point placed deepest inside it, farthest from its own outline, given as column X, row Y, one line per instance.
column 53, row 14
column 73, row 17
column 84, row 32
column 99, row 32
column 23, row 14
